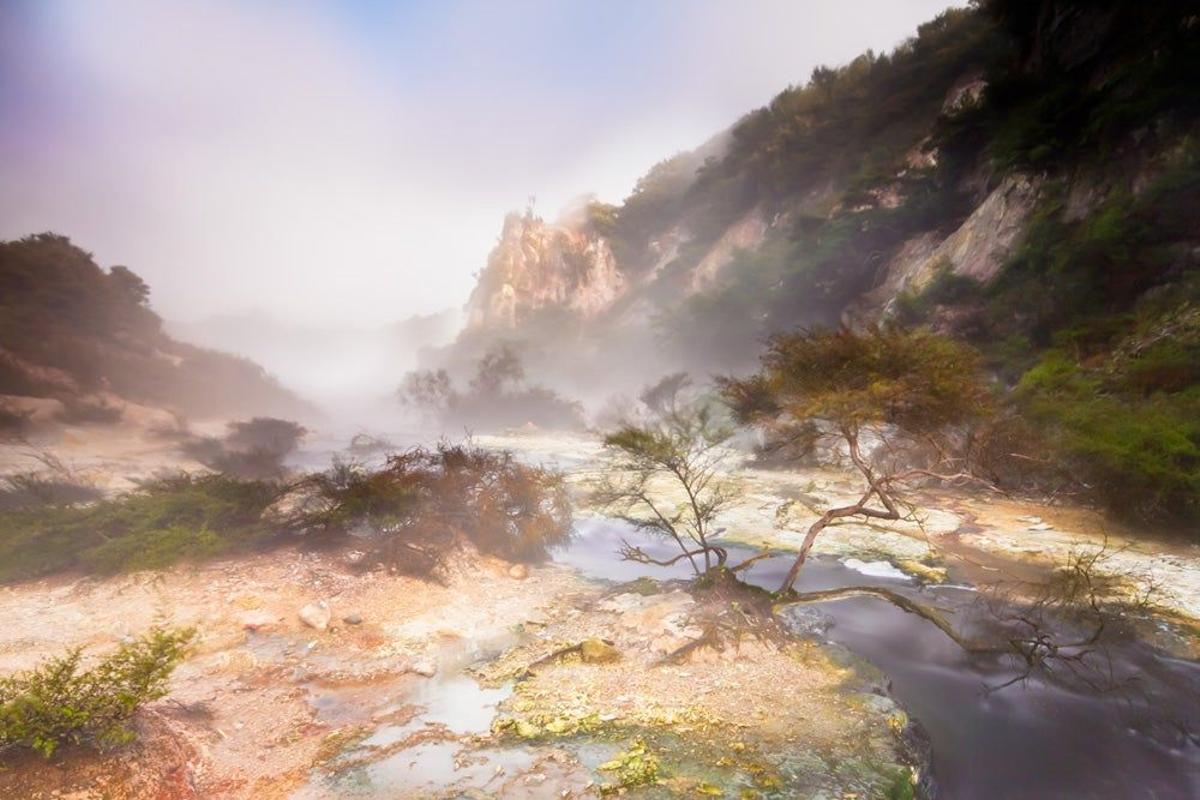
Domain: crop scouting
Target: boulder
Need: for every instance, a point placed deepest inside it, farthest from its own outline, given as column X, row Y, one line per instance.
column 518, row 571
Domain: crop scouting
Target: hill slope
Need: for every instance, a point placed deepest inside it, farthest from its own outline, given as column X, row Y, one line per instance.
column 1023, row 176
column 87, row 338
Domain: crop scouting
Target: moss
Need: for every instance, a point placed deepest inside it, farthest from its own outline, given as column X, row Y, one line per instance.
column 636, row 766
column 903, row 786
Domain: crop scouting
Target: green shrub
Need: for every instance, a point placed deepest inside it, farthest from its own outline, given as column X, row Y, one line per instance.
column 25, row 490
column 162, row 522
column 945, row 288
column 1139, row 455
column 421, row 502
column 57, row 703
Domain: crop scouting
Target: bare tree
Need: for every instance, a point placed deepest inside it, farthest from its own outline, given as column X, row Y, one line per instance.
column 665, row 480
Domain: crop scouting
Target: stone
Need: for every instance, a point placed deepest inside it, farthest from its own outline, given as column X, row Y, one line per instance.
column 257, row 620
column 316, row 615
column 804, row 621
column 598, row 651
column 518, row 571
column 424, row 668
column 352, row 619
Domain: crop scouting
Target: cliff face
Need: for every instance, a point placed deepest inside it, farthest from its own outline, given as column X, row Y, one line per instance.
column 537, row 266
column 939, row 184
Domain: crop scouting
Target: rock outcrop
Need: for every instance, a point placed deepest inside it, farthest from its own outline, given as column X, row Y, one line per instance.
column 977, row 249
column 540, row 266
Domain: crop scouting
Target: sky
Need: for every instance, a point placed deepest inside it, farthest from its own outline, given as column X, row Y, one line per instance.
column 351, row 162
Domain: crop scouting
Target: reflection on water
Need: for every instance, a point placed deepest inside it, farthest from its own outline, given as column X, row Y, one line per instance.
column 1027, row 741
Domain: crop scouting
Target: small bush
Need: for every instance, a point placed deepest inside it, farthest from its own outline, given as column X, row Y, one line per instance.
column 29, row 490
column 57, row 704
column 944, row 288
column 252, row 450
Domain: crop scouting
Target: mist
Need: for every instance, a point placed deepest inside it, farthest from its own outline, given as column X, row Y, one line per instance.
column 348, row 166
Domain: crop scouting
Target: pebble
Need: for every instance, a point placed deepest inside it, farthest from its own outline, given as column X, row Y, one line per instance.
column 352, row 619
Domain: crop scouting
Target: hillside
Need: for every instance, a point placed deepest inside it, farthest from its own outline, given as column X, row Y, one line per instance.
column 80, row 343
column 1023, row 176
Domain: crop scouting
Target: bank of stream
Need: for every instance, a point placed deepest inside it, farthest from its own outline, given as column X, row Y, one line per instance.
column 1136, row 735
column 1137, row 739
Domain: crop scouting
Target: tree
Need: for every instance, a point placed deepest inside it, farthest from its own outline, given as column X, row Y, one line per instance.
column 499, row 366
column 427, row 389
column 899, row 388
column 678, row 445
column 130, row 285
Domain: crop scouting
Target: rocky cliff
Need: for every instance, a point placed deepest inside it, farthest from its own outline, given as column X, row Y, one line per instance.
column 938, row 184
column 540, row 266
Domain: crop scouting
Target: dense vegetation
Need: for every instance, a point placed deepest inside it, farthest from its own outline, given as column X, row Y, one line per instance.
column 419, row 505
column 57, row 703
column 73, row 331
column 163, row 521
column 424, row 501
column 1088, row 324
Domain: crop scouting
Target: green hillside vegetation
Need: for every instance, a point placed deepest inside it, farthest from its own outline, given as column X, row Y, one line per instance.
column 1089, row 326
column 69, row 328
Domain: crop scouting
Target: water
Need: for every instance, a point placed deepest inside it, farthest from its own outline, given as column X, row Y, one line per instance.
column 1026, row 741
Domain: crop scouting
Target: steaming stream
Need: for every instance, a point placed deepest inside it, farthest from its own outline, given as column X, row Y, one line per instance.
column 1025, row 741
column 1029, row 740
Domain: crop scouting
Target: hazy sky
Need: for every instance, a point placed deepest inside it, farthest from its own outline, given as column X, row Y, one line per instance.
column 347, row 161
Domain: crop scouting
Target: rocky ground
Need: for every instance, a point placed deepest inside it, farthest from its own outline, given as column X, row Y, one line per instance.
column 310, row 673
column 316, row 676
column 981, row 536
